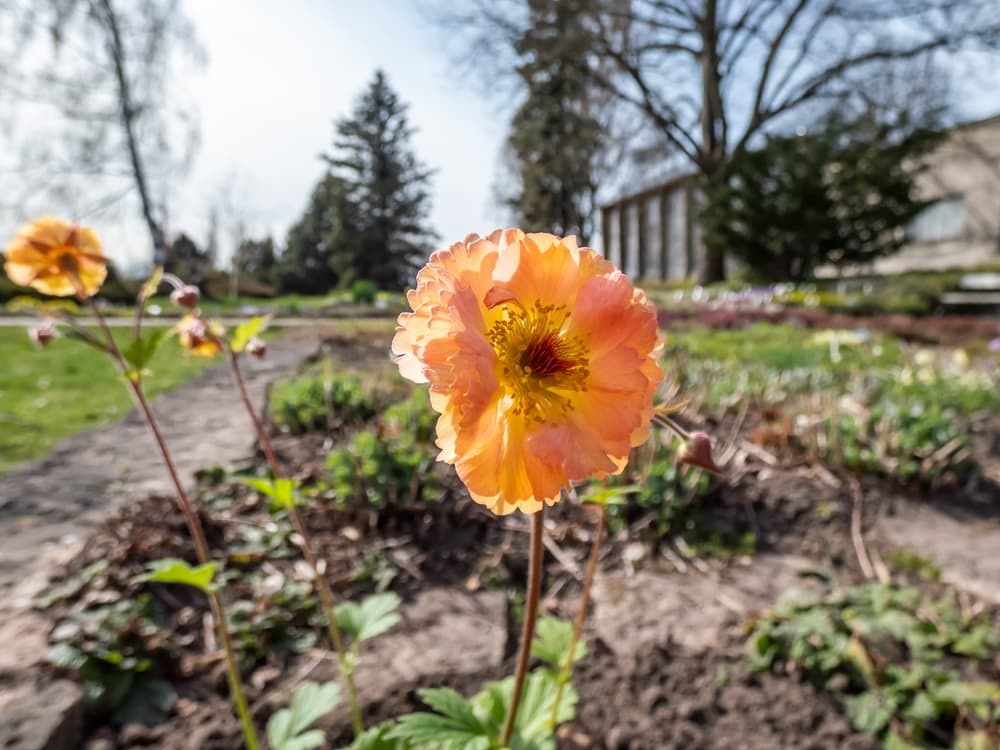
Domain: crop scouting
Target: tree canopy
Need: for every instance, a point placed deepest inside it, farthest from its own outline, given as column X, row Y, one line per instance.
column 841, row 194
column 86, row 89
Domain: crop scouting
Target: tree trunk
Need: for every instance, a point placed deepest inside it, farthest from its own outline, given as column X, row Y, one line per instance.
column 712, row 267
column 713, row 133
column 127, row 115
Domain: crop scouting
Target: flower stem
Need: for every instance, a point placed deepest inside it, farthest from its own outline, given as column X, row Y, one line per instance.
column 581, row 615
column 194, row 526
column 528, row 630
column 322, row 587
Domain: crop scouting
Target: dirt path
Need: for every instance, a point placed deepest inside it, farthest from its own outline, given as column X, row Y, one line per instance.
column 49, row 507
column 55, row 500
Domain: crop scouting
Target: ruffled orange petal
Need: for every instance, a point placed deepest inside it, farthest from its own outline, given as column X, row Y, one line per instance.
column 541, row 362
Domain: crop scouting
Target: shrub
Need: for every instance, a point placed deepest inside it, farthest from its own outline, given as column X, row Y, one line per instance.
column 382, row 470
column 320, row 402
column 363, row 292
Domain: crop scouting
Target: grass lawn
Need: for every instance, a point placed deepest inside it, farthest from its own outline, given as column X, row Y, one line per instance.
column 67, row 387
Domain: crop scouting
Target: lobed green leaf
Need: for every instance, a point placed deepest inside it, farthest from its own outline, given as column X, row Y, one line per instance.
column 172, row 570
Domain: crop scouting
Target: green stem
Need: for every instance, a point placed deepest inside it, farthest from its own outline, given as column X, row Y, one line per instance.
column 581, row 615
column 322, row 587
column 528, row 630
column 194, row 526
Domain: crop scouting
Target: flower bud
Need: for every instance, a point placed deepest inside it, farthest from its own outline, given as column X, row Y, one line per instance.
column 186, row 296
column 256, row 348
column 198, row 337
column 42, row 335
column 697, row 451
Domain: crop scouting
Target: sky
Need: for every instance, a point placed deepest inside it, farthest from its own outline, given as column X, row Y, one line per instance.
column 278, row 76
column 279, row 73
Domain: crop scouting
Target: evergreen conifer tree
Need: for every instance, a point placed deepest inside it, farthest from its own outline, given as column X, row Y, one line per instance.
column 384, row 234
column 556, row 138
column 307, row 264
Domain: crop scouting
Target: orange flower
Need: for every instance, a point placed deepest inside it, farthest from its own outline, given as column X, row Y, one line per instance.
column 541, row 361
column 198, row 337
column 56, row 258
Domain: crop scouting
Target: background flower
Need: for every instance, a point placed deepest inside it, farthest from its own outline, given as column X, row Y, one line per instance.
column 198, row 337
column 57, row 258
column 541, row 361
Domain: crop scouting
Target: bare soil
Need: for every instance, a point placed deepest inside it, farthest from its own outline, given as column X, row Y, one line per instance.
column 666, row 667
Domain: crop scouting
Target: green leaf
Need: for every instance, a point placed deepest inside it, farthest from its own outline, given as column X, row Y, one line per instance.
column 532, row 727
column 283, row 492
column 172, row 570
column 975, row 741
column 979, row 642
column 286, row 729
column 372, row 617
column 551, row 642
column 922, row 709
column 66, row 656
column 966, row 693
column 868, row 711
column 894, row 742
column 246, row 331
column 73, row 586
column 610, row 495
column 140, row 351
column 152, row 284
column 535, row 712
column 379, row 738
column 149, row 701
column 456, row 726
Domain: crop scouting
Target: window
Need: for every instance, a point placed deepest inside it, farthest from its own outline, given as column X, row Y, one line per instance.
column 942, row 220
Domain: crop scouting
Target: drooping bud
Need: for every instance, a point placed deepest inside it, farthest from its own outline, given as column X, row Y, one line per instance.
column 42, row 335
column 697, row 451
column 198, row 337
column 256, row 348
column 186, row 296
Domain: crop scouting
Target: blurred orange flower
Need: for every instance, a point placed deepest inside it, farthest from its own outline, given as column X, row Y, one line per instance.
column 198, row 337
column 541, row 359
column 57, row 258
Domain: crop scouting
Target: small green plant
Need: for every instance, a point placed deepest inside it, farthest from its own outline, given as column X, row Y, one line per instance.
column 120, row 653
column 908, row 668
column 319, row 403
column 456, row 723
column 363, row 292
column 374, row 570
column 382, row 471
column 912, row 563
column 665, row 490
column 412, row 415
column 274, row 619
column 288, row 729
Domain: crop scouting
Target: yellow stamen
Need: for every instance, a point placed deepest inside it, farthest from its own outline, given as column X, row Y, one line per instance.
column 539, row 359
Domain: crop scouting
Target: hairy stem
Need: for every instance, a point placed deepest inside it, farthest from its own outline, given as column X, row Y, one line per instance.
column 528, row 630
column 581, row 615
column 322, row 587
column 194, row 526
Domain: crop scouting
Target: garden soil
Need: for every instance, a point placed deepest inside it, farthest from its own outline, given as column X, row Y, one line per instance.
column 666, row 668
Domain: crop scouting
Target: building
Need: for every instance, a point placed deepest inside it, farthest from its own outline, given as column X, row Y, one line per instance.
column 654, row 234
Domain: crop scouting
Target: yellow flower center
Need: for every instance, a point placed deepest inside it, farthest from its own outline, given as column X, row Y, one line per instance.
column 539, row 360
